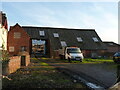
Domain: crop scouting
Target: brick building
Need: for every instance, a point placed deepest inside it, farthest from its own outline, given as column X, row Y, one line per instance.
column 52, row 39
column 18, row 41
column 112, row 48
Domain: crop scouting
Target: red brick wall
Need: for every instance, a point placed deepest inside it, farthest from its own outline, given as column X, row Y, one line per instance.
column 27, row 60
column 56, row 54
column 86, row 53
column 14, row 64
column 24, row 40
column 113, row 49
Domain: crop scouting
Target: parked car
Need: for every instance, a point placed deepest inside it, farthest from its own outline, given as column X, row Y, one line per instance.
column 116, row 57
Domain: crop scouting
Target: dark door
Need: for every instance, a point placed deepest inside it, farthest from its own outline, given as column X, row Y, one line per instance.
column 23, row 61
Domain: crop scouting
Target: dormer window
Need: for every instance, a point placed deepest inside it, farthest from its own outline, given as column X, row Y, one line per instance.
column 55, row 34
column 42, row 33
column 95, row 39
column 79, row 39
column 63, row 43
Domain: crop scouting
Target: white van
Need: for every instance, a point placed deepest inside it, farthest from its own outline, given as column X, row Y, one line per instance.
column 72, row 53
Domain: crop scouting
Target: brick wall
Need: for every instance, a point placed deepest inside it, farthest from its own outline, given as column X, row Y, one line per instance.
column 27, row 60
column 14, row 64
column 113, row 49
column 56, row 54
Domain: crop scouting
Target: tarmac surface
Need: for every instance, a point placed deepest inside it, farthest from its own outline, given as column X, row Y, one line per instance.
column 103, row 74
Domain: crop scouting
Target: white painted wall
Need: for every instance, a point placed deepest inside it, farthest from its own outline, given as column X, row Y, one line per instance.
column 3, row 37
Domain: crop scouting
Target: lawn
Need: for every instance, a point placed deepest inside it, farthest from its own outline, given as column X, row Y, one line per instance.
column 39, row 75
column 89, row 60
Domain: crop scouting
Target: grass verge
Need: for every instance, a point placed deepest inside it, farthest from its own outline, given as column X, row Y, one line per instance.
column 85, row 60
column 89, row 60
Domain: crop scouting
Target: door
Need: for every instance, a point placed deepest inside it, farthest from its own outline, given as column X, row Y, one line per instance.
column 23, row 61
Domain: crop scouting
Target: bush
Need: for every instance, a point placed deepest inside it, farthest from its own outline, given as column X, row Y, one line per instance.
column 4, row 55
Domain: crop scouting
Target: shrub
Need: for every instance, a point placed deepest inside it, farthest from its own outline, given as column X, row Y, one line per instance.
column 4, row 55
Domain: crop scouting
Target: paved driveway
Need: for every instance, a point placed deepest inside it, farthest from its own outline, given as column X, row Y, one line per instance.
column 104, row 73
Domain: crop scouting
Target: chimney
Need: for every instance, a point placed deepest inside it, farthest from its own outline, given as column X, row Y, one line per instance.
column 3, row 20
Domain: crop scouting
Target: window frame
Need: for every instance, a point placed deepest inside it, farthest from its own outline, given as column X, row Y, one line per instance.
column 63, row 43
column 95, row 39
column 11, row 49
column 42, row 33
column 23, row 48
column 56, row 35
column 79, row 39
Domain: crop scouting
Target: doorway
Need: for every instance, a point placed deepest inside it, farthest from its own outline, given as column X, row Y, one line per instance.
column 23, row 61
column 39, row 47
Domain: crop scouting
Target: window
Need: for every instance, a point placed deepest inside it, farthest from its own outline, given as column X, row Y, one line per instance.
column 23, row 48
column 17, row 34
column 55, row 34
column 79, row 39
column 42, row 33
column 95, row 39
column 63, row 43
column 11, row 49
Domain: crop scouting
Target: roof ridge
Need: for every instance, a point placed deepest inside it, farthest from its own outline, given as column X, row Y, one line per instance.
column 57, row 28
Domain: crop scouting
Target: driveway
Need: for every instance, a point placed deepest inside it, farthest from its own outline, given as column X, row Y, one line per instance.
column 102, row 73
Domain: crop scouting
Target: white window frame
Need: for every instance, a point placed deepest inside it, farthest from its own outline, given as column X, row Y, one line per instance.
column 11, row 49
column 79, row 39
column 63, row 43
column 55, row 34
column 95, row 39
column 42, row 33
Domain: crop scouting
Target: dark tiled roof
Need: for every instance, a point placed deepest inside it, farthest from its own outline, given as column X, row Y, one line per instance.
column 67, row 35
column 111, row 44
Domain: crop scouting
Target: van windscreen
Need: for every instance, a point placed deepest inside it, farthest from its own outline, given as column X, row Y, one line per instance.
column 73, row 50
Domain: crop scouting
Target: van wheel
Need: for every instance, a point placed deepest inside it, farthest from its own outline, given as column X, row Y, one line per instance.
column 80, row 60
column 69, row 60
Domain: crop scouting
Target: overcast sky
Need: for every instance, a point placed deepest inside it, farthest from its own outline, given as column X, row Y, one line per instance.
column 101, row 16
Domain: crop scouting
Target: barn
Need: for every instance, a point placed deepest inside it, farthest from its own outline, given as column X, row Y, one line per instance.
column 46, row 41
